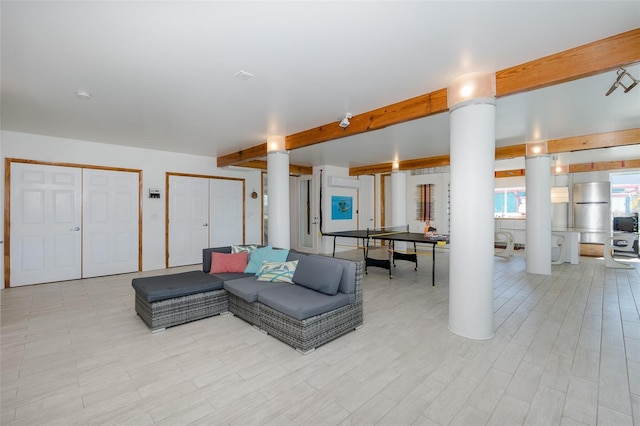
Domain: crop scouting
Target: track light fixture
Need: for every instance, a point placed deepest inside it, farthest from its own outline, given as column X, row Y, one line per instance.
column 344, row 123
column 619, row 82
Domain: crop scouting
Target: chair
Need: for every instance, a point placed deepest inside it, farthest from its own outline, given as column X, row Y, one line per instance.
column 609, row 246
column 558, row 243
column 504, row 237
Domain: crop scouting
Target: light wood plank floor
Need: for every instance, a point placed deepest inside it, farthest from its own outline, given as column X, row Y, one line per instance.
column 566, row 352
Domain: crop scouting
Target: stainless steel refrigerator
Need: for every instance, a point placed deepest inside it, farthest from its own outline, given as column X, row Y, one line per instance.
column 592, row 211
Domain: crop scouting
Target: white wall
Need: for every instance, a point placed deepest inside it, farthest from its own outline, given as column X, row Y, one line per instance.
column 329, row 225
column 441, row 182
column 154, row 165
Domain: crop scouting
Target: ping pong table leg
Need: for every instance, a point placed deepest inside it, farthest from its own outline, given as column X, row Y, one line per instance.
column 433, row 266
column 415, row 251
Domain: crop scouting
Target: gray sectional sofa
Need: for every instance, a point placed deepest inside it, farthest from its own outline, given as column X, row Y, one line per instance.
column 323, row 302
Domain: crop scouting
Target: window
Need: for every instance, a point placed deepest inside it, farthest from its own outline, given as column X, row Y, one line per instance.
column 510, row 202
column 625, row 192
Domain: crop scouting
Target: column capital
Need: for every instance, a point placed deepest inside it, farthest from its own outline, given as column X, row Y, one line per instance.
column 470, row 89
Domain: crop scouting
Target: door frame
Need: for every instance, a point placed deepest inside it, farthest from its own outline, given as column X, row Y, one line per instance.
column 7, row 205
column 167, row 204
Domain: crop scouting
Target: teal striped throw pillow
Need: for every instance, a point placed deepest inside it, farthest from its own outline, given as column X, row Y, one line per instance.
column 278, row 271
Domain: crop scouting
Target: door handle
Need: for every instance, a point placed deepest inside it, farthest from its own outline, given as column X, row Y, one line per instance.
column 77, row 228
column 206, row 224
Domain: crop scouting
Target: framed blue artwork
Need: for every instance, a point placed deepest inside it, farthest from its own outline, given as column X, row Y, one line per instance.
column 341, row 207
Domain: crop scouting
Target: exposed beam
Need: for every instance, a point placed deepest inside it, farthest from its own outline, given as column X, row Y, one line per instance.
column 554, row 146
column 371, row 170
column 512, row 151
column 580, row 168
column 410, row 109
column 583, row 61
column 262, row 165
column 509, row 173
column 604, row 165
column 598, row 140
column 248, row 154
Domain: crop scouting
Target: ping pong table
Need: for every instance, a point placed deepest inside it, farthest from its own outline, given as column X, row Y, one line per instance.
column 392, row 235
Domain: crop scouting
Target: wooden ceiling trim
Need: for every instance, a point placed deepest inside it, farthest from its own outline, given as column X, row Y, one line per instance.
column 583, row 61
column 598, row 140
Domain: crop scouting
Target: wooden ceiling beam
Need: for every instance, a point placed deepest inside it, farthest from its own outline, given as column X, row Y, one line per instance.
column 512, row 151
column 598, row 140
column 248, row 154
column 509, row 173
column 583, row 61
column 400, row 112
column 554, row 146
column 604, row 165
column 262, row 165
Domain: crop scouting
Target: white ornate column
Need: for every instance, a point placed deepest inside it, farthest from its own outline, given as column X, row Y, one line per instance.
column 472, row 112
column 398, row 201
column 278, row 193
column 538, row 183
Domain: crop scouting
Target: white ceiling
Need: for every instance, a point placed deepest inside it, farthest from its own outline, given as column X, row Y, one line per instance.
column 162, row 73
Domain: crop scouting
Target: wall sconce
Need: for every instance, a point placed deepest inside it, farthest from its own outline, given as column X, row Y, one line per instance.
column 475, row 85
column 622, row 73
column 536, row 149
column 560, row 169
column 559, row 194
column 276, row 144
column 395, row 166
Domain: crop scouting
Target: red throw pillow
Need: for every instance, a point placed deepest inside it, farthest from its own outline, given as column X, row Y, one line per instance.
column 228, row 262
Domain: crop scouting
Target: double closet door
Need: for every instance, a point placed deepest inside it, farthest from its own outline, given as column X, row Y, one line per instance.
column 70, row 223
column 203, row 212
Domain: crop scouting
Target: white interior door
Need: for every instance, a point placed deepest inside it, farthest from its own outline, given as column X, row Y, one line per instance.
column 46, row 214
column 307, row 232
column 227, row 212
column 366, row 202
column 188, row 219
column 110, row 222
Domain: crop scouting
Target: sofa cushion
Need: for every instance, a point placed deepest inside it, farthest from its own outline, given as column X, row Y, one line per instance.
column 249, row 287
column 264, row 254
column 277, row 271
column 296, row 255
column 240, row 248
column 206, row 256
column 322, row 274
column 227, row 276
column 301, row 302
column 232, row 262
column 348, row 279
column 162, row 287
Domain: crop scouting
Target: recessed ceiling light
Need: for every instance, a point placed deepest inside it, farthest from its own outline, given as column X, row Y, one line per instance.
column 243, row 75
column 82, row 94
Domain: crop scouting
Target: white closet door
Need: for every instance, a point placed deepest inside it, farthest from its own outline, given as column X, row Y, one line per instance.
column 227, row 212
column 110, row 222
column 188, row 219
column 45, row 224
